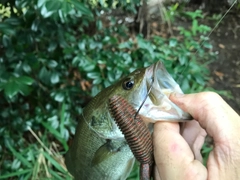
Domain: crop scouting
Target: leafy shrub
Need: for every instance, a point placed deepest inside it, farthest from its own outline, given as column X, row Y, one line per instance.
column 55, row 55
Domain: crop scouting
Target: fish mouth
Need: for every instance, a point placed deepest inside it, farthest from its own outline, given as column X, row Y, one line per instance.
column 158, row 106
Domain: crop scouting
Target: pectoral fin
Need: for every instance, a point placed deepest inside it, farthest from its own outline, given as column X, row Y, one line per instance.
column 107, row 150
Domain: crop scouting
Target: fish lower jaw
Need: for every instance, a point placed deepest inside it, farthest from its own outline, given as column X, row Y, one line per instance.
column 147, row 120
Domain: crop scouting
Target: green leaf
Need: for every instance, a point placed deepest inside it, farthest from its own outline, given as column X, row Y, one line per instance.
column 183, row 60
column 207, row 149
column 52, row 64
column 195, row 27
column 53, row 162
column 56, row 134
column 56, row 175
column 16, row 164
column 9, row 52
column 44, row 75
column 27, row 68
column 97, row 81
column 55, row 77
column 126, row 44
column 18, row 155
column 52, row 130
column 25, row 80
column 82, row 8
column 199, row 79
column 143, row 44
column 207, row 45
column 59, row 97
column 172, row 42
column 93, row 75
column 40, row 3
column 82, row 45
column 66, row 7
column 62, row 119
column 22, row 4
column 185, row 85
column 24, row 89
column 13, row 21
column 111, row 76
column 7, row 29
column 89, row 67
column 14, row 174
column 6, row 40
column 54, row 121
column 11, row 89
column 52, row 46
column 99, row 24
column 53, row 5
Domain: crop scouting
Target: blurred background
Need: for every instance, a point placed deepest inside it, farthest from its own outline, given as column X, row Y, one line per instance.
column 55, row 55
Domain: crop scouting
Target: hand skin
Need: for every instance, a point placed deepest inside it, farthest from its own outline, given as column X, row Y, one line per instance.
column 177, row 151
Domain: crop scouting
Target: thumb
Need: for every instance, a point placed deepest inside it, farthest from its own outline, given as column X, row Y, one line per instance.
column 173, row 157
column 212, row 112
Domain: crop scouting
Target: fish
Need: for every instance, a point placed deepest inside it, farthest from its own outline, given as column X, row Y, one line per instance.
column 99, row 148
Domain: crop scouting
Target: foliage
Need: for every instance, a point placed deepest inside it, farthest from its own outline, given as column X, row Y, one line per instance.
column 56, row 54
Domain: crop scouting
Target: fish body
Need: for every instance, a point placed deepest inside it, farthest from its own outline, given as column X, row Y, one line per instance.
column 99, row 149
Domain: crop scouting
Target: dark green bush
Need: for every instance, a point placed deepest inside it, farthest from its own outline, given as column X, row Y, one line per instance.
column 55, row 55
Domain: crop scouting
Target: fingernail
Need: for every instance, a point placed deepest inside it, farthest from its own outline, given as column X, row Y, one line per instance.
column 178, row 95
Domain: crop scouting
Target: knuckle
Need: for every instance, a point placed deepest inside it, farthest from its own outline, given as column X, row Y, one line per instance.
column 210, row 96
column 209, row 100
column 191, row 172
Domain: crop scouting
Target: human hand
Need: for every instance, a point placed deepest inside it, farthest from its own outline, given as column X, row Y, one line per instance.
column 177, row 150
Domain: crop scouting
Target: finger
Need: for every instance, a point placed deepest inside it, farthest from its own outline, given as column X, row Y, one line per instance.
column 194, row 135
column 173, row 157
column 156, row 175
column 212, row 112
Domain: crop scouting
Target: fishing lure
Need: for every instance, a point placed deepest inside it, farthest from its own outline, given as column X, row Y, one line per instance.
column 135, row 132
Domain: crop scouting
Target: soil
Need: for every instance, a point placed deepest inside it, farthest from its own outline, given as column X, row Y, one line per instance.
column 225, row 71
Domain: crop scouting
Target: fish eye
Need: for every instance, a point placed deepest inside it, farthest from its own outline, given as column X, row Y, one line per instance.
column 128, row 84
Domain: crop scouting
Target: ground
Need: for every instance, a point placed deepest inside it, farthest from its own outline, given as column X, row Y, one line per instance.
column 225, row 71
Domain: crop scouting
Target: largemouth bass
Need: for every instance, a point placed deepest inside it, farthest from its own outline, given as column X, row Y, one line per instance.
column 99, row 149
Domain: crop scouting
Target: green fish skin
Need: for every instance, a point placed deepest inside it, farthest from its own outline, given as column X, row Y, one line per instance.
column 99, row 150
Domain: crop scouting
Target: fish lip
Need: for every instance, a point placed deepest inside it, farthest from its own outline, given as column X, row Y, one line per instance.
column 158, row 106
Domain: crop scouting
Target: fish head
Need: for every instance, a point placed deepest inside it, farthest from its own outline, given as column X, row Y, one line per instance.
column 148, row 90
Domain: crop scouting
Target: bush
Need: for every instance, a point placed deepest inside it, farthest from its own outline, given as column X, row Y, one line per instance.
column 55, row 55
